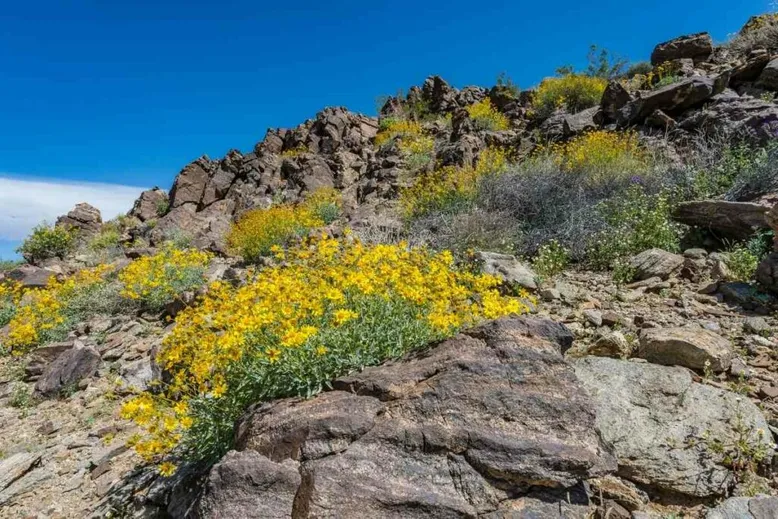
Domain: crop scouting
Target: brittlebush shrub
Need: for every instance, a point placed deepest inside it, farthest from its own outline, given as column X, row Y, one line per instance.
column 601, row 155
column 155, row 281
column 10, row 296
column 329, row 308
column 413, row 143
column 48, row 314
column 449, row 188
column 47, row 242
column 575, row 92
column 487, row 117
column 259, row 231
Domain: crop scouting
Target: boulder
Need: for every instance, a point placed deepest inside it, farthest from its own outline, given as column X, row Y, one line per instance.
column 734, row 220
column 441, row 433
column 688, row 346
column 189, row 185
column 581, row 122
column 673, row 98
column 151, row 204
column 615, row 97
column 760, row 507
column 244, row 484
column 767, row 272
column 612, row 344
column 84, row 218
column 651, row 414
column 655, row 263
column 30, row 276
column 69, row 368
column 695, row 46
column 507, row 268
column 769, row 77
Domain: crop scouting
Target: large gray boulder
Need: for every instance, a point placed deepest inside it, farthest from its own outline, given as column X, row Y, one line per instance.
column 655, row 418
column 444, row 433
column 689, row 346
column 694, row 46
column 673, row 98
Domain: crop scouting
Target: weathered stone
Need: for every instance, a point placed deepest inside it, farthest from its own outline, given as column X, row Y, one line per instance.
column 649, row 413
column 756, row 325
column 687, row 346
column 615, row 97
column 437, row 434
column 760, row 507
column 612, row 344
column 247, row 484
column 189, row 185
column 767, row 272
column 30, row 276
column 16, row 466
column 769, row 76
column 84, row 218
column 655, row 263
column 151, row 204
column 735, row 220
column 507, row 268
column 745, row 117
column 594, row 317
column 68, row 369
column 695, row 46
column 623, row 492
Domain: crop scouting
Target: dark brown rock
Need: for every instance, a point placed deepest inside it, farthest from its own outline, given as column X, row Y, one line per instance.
column 84, row 218
column 695, row 46
column 151, row 204
column 69, row 368
column 438, row 434
column 189, row 186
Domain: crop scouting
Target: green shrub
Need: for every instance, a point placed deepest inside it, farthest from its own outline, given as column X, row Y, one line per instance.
column 107, row 238
column 575, row 92
column 741, row 263
column 636, row 222
column 551, row 259
column 47, row 242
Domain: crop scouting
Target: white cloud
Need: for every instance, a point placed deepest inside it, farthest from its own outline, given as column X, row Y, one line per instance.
column 24, row 203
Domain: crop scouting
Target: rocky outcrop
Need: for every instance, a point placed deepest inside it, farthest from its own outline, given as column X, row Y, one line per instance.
column 84, row 218
column 151, row 204
column 443, row 433
column 697, row 47
column 656, row 418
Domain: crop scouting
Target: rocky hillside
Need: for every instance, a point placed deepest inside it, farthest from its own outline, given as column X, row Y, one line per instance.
column 486, row 302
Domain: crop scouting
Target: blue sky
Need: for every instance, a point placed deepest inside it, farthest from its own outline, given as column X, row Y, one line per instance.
column 129, row 92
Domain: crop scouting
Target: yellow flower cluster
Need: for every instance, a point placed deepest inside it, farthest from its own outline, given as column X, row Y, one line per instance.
column 413, row 142
column 600, row 154
column 158, row 279
column 450, row 185
column 284, row 319
column 575, row 92
column 42, row 309
column 662, row 74
column 258, row 231
column 487, row 117
column 294, row 152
